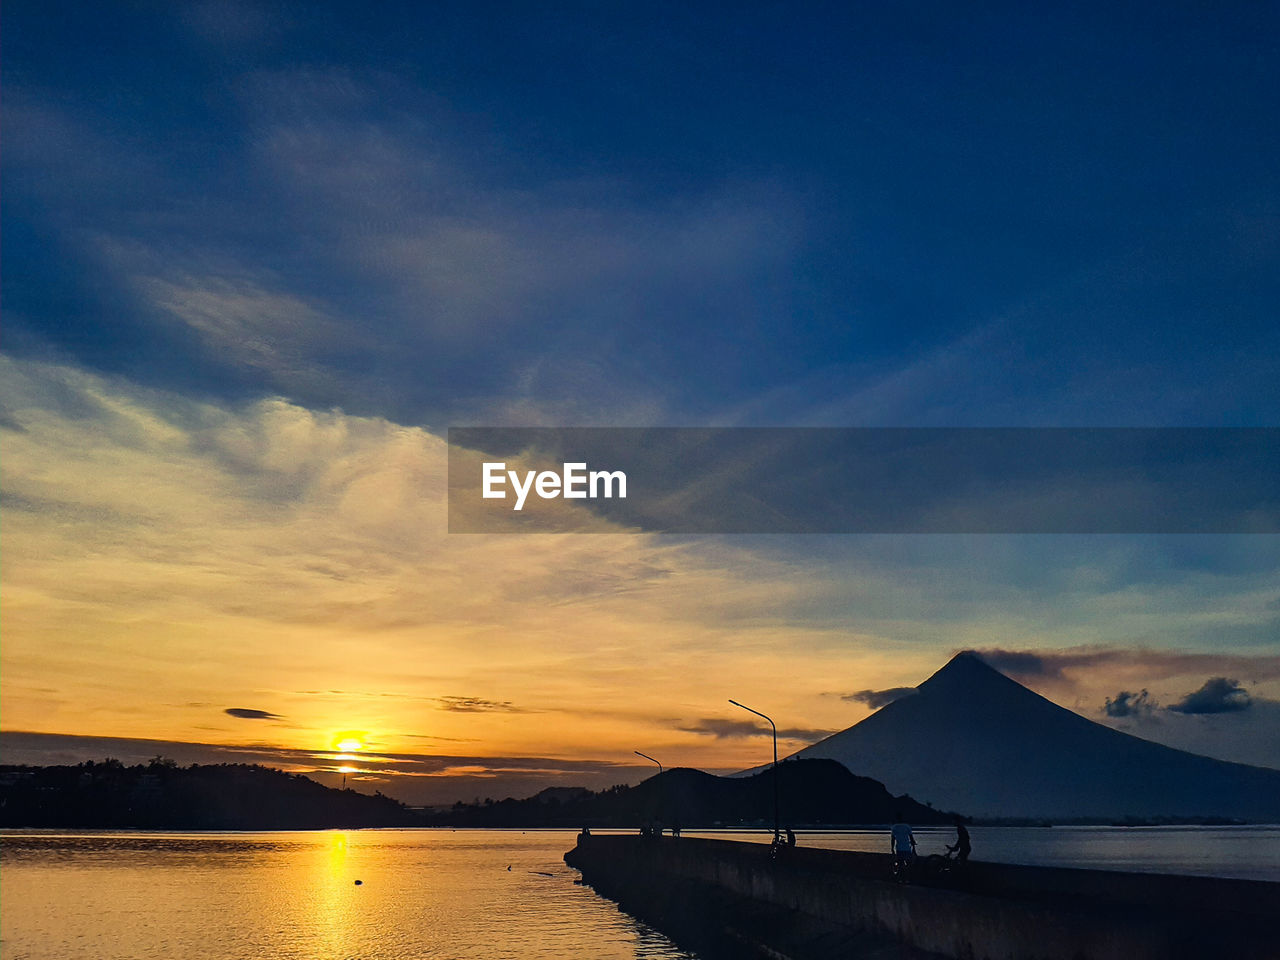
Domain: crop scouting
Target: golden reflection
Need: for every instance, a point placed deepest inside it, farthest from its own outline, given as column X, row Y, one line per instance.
column 333, row 902
column 337, row 854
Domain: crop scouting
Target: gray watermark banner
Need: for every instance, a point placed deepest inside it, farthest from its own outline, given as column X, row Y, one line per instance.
column 700, row 480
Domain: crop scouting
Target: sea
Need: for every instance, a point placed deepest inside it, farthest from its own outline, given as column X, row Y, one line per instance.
column 402, row 894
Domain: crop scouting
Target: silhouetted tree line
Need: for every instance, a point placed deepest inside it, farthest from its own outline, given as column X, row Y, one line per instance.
column 812, row 793
column 232, row 796
column 163, row 795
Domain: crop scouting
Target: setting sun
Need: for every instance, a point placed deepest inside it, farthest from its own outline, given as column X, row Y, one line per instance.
column 349, row 744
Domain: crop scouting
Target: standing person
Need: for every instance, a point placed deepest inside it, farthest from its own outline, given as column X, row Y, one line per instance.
column 902, row 842
column 961, row 848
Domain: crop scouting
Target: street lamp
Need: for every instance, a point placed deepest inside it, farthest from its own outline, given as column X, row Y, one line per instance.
column 647, row 757
column 776, row 822
column 656, row 801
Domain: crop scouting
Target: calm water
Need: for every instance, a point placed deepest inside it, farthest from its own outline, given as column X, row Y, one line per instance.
column 1250, row 853
column 429, row 893
column 293, row 895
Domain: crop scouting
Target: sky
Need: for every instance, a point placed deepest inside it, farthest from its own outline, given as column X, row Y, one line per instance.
column 258, row 258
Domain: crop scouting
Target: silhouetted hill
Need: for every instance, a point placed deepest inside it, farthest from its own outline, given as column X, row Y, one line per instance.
column 811, row 792
column 162, row 795
column 973, row 739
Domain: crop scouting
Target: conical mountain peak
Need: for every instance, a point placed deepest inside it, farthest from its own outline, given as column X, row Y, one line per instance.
column 969, row 662
column 972, row 739
column 968, row 673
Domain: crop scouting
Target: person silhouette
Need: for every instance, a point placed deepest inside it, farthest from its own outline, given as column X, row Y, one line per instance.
column 902, row 843
column 961, row 847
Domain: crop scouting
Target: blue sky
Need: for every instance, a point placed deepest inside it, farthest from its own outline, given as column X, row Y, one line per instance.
column 251, row 250
column 931, row 215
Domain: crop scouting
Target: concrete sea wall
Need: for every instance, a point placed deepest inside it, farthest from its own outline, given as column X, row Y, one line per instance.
column 731, row 898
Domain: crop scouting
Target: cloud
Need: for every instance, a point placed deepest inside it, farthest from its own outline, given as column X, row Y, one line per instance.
column 249, row 322
column 408, row 271
column 1250, row 735
column 1218, row 695
column 246, row 713
column 1129, row 704
column 724, row 729
column 285, row 549
column 411, row 777
column 1156, row 664
column 875, row 699
column 476, row 705
column 1021, row 663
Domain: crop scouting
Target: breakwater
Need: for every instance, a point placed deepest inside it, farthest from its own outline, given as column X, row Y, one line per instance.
column 727, row 898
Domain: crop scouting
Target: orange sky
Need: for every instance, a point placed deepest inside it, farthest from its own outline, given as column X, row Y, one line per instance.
column 166, row 561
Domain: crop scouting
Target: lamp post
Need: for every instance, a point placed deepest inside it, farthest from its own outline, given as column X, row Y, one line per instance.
column 647, row 757
column 776, row 822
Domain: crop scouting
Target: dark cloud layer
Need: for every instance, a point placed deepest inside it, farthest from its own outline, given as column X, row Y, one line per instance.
column 1056, row 664
column 875, row 699
column 723, row 729
column 476, row 705
column 247, row 713
column 416, row 778
column 1021, row 663
column 1218, row 695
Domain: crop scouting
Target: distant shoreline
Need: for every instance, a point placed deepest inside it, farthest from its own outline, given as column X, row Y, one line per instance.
column 161, row 795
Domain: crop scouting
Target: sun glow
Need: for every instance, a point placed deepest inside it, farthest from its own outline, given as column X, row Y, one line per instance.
column 349, row 745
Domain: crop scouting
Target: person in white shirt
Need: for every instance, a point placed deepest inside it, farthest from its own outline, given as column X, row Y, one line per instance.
column 902, row 842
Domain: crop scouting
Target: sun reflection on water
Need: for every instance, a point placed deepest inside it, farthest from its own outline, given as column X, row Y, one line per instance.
column 333, row 898
column 293, row 896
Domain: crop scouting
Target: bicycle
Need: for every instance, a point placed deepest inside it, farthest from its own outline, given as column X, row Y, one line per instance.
column 900, row 868
column 940, row 865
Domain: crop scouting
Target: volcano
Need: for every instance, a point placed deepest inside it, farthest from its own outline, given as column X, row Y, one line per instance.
column 969, row 738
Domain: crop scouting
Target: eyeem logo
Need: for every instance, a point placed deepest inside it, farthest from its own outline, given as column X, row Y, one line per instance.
column 572, row 483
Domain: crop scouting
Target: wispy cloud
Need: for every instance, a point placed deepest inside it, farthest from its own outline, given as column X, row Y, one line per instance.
column 875, row 699
column 476, row 705
column 1156, row 664
column 724, row 729
column 411, row 274
column 280, row 547
column 252, row 324
column 303, row 545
